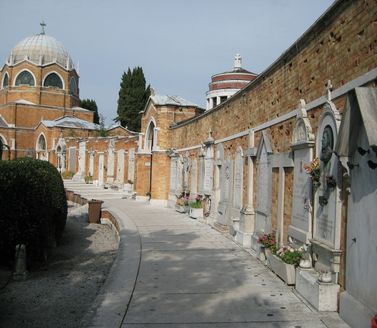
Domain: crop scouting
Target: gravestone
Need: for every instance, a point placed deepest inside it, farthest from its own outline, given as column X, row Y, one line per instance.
column 101, row 162
column 110, row 161
column 131, row 165
column 82, row 155
column 186, row 172
column 72, row 159
column 264, row 188
column 120, row 166
column 208, row 176
column 179, row 181
column 201, row 174
column 91, row 163
column 217, row 184
column 194, row 176
column 225, row 187
column 173, row 174
column 238, row 180
column 327, row 211
column 302, row 145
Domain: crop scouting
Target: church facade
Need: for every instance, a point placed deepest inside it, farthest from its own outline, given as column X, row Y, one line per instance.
column 294, row 152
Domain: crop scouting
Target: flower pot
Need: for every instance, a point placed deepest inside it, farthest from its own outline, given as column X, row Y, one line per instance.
column 325, row 277
column 262, row 253
column 196, row 213
column 285, row 271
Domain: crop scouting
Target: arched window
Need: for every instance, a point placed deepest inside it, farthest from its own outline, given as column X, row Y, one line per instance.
column 25, row 78
column 53, row 80
column 5, row 80
column 73, row 85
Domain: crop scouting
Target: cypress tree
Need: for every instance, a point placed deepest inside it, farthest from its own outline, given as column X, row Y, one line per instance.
column 133, row 95
column 91, row 105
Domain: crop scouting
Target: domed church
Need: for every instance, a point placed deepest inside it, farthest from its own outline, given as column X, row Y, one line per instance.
column 39, row 99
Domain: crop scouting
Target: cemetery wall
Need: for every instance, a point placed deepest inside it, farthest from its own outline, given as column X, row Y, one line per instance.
column 334, row 48
column 342, row 47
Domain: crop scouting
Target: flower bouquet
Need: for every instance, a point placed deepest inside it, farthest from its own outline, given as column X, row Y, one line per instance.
column 314, row 171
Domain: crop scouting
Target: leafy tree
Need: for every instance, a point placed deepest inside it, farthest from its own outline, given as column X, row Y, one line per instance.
column 133, row 95
column 92, row 106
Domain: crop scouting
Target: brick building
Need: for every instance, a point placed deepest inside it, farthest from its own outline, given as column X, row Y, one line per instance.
column 39, row 100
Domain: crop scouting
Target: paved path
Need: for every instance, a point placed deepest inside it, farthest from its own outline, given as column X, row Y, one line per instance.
column 182, row 273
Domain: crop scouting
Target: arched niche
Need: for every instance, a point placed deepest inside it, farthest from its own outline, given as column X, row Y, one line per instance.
column 60, row 151
column 41, row 147
column 150, row 136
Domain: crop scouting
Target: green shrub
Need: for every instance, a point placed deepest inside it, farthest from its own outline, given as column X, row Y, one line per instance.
column 33, row 207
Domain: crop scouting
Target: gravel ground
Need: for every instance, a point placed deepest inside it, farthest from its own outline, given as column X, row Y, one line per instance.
column 59, row 295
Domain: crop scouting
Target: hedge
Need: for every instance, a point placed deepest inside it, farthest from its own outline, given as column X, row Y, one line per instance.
column 33, row 207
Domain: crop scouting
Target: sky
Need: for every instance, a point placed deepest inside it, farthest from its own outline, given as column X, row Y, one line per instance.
column 179, row 44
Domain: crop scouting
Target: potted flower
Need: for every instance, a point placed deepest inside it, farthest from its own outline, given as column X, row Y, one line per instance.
column 182, row 202
column 196, row 208
column 268, row 245
column 313, row 169
column 283, row 263
column 88, row 179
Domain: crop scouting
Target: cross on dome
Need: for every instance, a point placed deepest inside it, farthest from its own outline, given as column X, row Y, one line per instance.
column 43, row 24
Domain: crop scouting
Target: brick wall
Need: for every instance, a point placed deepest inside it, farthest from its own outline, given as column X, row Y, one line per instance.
column 341, row 47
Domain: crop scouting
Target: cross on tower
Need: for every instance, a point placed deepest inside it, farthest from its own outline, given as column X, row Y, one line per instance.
column 237, row 61
column 43, row 24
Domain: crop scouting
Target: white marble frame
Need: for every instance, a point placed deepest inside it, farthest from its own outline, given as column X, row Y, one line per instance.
column 329, row 117
column 238, row 199
column 82, row 157
column 208, row 170
column 303, row 138
column 264, row 142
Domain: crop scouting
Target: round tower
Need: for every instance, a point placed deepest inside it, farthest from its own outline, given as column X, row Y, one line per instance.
column 226, row 84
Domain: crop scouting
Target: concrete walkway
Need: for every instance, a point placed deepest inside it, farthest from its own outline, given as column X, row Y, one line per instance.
column 172, row 271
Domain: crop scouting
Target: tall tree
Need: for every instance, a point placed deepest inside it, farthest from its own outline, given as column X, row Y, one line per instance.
column 133, row 95
column 91, row 105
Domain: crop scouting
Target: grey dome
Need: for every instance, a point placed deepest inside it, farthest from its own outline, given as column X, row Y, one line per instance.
column 42, row 50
